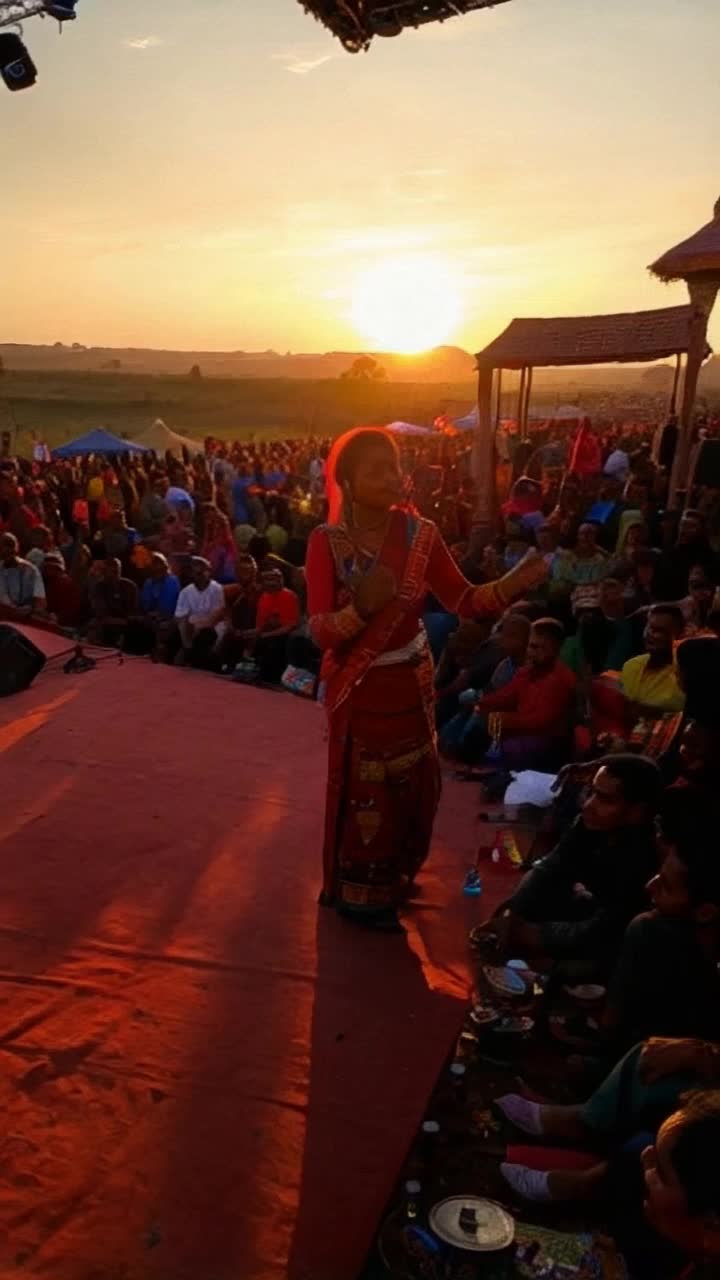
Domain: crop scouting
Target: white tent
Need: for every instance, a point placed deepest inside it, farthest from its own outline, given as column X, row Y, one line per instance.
column 161, row 439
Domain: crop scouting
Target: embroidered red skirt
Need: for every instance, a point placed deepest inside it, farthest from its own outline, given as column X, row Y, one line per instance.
column 383, row 790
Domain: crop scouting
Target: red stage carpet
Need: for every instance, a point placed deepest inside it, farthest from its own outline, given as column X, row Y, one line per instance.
column 203, row 1076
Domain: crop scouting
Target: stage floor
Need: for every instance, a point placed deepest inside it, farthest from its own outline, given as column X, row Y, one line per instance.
column 203, row 1075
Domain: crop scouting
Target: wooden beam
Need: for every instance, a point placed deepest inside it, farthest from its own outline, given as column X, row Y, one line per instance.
column 521, row 399
column 676, row 380
column 483, row 464
column 498, row 398
column 526, row 404
column 702, row 296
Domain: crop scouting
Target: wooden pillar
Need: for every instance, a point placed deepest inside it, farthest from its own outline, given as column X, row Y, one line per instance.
column 702, row 297
column 498, row 398
column 676, row 380
column 521, row 400
column 526, row 405
column 483, row 463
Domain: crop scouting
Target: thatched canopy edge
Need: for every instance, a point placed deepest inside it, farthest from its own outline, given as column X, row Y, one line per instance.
column 623, row 338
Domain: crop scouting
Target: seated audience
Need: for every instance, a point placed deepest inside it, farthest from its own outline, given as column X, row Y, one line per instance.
column 697, row 605
column 691, row 548
column 574, row 906
column 148, row 631
column 41, row 541
column 278, row 613
column 218, row 545
column 470, row 656
column 113, row 602
column 494, row 666
column 528, row 721
column 604, row 636
column 666, row 980
column 649, row 682
column 242, row 604
column 22, row 591
column 656, row 1168
column 200, row 618
column 64, row 596
column 577, row 573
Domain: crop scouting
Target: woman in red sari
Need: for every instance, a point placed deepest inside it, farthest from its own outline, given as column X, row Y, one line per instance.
column 368, row 572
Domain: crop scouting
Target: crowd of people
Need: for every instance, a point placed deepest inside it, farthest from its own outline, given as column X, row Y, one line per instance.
column 582, row 641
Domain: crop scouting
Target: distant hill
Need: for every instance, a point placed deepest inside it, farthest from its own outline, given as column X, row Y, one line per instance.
column 442, row 364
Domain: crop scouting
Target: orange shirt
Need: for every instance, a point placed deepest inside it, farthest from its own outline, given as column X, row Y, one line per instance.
column 278, row 609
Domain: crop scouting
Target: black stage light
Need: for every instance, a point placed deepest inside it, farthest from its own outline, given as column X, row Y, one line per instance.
column 64, row 12
column 16, row 66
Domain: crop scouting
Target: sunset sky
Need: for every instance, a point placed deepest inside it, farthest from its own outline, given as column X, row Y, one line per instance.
column 220, row 174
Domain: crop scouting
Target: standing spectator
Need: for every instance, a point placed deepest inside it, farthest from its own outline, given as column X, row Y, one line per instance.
column 241, row 484
column 585, row 454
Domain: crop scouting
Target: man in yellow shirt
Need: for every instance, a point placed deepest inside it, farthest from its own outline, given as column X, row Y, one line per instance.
column 650, row 681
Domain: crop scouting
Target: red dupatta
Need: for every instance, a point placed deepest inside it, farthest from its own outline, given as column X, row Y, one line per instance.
column 345, row 670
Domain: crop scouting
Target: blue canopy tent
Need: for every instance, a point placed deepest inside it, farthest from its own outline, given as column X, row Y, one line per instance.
column 98, row 441
column 407, row 429
column 468, row 423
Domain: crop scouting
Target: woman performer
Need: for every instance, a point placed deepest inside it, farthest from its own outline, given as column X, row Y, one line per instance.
column 368, row 572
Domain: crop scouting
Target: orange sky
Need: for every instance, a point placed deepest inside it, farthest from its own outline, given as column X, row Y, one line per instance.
column 223, row 175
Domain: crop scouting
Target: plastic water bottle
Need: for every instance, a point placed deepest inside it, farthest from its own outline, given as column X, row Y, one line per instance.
column 412, row 1207
column 458, row 1081
column 430, row 1136
column 472, row 885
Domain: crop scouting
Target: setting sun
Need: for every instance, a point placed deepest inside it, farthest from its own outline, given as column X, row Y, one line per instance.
column 407, row 304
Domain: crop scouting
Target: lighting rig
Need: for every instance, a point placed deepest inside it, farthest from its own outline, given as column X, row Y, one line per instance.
column 17, row 69
column 356, row 22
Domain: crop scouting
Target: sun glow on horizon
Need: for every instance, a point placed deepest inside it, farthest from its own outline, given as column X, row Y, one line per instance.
column 407, row 304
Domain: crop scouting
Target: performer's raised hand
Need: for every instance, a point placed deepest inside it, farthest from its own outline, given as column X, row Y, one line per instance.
column 374, row 590
column 526, row 574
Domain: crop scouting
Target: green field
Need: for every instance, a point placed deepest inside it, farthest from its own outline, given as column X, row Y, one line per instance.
column 59, row 406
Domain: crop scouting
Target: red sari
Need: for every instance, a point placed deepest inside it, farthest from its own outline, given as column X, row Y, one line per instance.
column 383, row 775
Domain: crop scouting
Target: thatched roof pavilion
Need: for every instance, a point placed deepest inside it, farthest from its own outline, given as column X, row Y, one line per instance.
column 356, row 22
column 623, row 338
column 697, row 262
column 627, row 337
column 699, row 255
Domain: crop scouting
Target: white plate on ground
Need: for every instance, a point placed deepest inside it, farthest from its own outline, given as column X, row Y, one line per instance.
column 494, row 1226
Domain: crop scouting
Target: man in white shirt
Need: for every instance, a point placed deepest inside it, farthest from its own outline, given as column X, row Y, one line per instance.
column 617, row 465
column 22, row 590
column 200, row 616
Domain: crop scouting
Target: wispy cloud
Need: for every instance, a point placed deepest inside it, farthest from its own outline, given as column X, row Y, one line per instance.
column 143, row 42
column 301, row 63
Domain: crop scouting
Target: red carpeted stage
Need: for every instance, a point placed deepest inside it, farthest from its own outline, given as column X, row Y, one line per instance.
column 203, row 1075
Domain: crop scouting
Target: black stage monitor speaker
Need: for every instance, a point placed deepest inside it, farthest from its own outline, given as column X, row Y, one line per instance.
column 20, row 661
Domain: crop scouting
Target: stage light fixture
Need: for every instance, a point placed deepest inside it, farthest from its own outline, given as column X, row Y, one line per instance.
column 63, row 12
column 17, row 68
